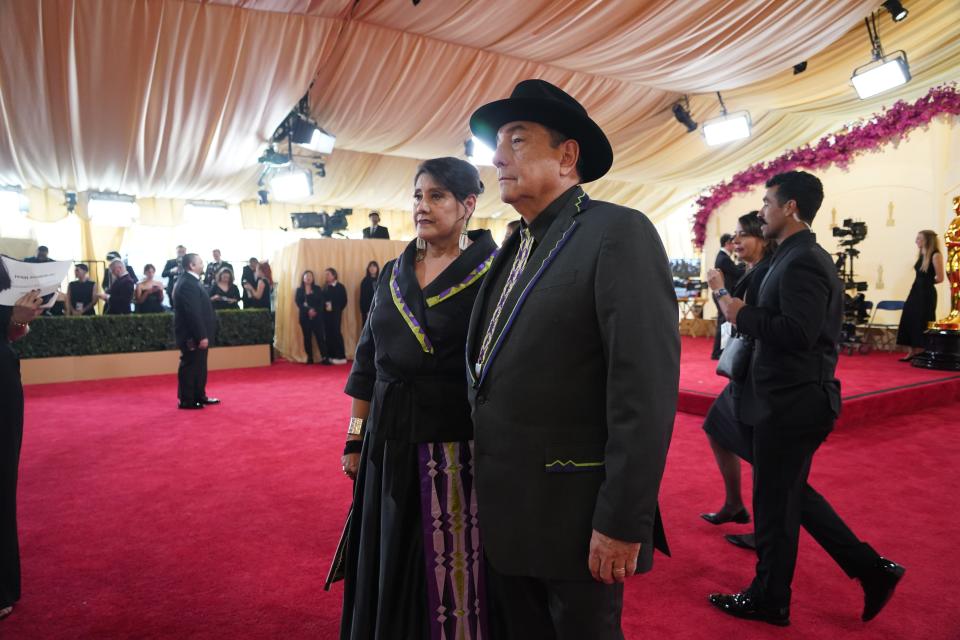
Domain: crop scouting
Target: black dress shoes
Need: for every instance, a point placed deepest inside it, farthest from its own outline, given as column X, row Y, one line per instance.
column 209, row 401
column 189, row 405
column 740, row 517
column 878, row 586
column 742, row 540
column 743, row 605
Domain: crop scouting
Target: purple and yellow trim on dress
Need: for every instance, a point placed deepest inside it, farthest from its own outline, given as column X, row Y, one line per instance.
column 418, row 331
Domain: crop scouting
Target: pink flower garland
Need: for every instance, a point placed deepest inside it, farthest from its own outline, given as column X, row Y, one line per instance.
column 837, row 149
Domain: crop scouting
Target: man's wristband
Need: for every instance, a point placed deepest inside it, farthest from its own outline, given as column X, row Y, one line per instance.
column 356, row 427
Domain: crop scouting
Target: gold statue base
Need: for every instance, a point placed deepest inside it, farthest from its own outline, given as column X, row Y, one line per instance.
column 950, row 323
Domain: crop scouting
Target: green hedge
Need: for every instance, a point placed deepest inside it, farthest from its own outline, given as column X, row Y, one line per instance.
column 93, row 335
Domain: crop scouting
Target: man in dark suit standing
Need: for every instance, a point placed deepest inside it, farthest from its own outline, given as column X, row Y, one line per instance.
column 195, row 326
column 248, row 275
column 119, row 296
column 214, row 267
column 732, row 272
column 573, row 357
column 173, row 269
column 788, row 404
column 375, row 231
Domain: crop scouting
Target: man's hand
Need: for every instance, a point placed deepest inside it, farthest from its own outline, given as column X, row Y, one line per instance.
column 312, row 313
column 612, row 560
column 203, row 344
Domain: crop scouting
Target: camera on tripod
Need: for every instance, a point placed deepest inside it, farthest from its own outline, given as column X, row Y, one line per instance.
column 854, row 303
column 326, row 223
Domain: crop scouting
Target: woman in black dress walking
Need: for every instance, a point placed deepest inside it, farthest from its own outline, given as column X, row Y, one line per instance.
column 921, row 305
column 13, row 326
column 413, row 561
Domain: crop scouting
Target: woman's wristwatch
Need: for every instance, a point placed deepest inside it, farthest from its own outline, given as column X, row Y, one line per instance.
column 721, row 292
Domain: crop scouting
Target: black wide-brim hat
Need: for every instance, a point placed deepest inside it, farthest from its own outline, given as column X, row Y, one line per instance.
column 541, row 102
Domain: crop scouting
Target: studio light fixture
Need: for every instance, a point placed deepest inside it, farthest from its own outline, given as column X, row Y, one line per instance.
column 263, row 196
column 681, row 111
column 477, row 152
column 896, row 10
column 883, row 72
column 70, row 201
column 728, row 127
column 12, row 200
column 799, row 68
column 291, row 185
column 112, row 209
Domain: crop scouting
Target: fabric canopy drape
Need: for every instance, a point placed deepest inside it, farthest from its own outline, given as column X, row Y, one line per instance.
column 176, row 99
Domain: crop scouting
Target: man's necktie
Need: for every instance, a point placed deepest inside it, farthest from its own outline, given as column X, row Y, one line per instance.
column 519, row 262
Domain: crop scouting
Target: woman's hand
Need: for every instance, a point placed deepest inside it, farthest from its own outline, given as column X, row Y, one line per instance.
column 27, row 307
column 715, row 279
column 351, row 463
column 312, row 313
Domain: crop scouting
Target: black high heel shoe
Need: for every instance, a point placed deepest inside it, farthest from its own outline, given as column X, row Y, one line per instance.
column 740, row 517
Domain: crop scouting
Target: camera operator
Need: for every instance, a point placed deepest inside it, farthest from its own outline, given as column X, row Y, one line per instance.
column 921, row 306
column 173, row 269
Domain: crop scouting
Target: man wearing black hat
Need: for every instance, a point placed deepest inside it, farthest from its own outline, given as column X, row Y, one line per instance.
column 573, row 356
column 375, row 231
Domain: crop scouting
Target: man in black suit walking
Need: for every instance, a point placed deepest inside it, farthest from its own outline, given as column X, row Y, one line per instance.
column 732, row 272
column 573, row 356
column 375, row 231
column 195, row 326
column 173, row 269
column 788, row 404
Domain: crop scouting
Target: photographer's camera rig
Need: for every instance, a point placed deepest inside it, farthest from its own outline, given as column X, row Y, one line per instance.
column 326, row 223
column 854, row 301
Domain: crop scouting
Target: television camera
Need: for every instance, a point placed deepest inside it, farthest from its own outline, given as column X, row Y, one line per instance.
column 326, row 223
column 853, row 233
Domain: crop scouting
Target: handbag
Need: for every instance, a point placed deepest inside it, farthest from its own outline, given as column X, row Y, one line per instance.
column 735, row 358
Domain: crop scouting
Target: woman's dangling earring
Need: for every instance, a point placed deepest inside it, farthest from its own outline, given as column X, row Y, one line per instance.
column 421, row 248
column 464, row 238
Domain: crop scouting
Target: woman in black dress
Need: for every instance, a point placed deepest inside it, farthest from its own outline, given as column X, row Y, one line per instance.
column 149, row 292
column 367, row 286
column 721, row 423
column 334, row 302
column 258, row 294
column 223, row 293
column 309, row 301
column 413, row 554
column 80, row 293
column 921, row 305
column 13, row 325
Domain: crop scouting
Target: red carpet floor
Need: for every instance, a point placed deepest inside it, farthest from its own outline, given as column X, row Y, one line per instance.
column 874, row 386
column 139, row 521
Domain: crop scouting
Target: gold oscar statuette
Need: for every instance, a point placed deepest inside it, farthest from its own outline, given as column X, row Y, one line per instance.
column 952, row 240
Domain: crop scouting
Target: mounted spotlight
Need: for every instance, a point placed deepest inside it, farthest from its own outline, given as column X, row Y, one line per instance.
column 70, row 201
column 273, row 157
column 306, row 133
column 321, row 169
column 112, row 209
column 884, row 72
column 800, row 67
column 896, row 10
column 12, row 199
column 477, row 152
column 288, row 185
column 728, row 127
column 682, row 113
column 263, row 196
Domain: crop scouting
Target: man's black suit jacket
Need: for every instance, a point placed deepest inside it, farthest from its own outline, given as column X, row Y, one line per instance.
column 193, row 316
column 732, row 272
column 574, row 410
column 380, row 233
column 791, row 385
column 171, row 275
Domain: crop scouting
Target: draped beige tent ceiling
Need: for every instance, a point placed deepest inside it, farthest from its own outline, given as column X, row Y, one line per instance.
column 176, row 99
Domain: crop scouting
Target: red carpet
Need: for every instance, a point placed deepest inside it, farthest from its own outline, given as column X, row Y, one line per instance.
column 874, row 386
column 139, row 521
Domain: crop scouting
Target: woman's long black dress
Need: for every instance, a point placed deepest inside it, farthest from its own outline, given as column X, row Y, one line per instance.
column 152, row 303
column 413, row 561
column 11, row 436
column 920, row 307
column 336, row 295
column 367, row 287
